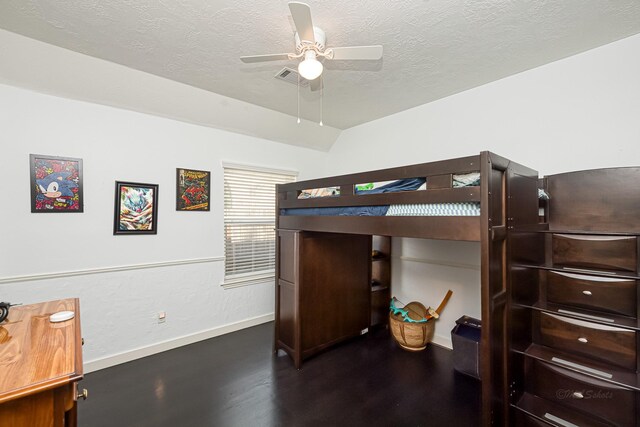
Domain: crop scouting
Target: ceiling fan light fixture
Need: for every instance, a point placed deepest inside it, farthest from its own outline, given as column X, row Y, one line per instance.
column 310, row 68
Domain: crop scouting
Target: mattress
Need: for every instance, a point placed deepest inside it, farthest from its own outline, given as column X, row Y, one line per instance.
column 423, row 209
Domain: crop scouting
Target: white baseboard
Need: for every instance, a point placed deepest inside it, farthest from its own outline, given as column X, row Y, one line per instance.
column 138, row 353
column 128, row 356
column 442, row 341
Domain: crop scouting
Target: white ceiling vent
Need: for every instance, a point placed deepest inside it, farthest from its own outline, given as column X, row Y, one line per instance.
column 291, row 76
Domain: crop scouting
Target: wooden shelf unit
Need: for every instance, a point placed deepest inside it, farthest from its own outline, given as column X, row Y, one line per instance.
column 380, row 280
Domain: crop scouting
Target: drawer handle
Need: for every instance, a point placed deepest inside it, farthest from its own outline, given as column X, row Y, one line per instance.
column 583, row 340
column 559, row 420
column 577, row 395
column 587, row 293
column 83, row 395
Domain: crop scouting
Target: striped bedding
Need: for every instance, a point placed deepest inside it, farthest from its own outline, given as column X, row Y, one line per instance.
column 435, row 209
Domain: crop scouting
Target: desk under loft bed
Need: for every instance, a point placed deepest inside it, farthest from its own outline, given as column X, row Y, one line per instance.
column 323, row 258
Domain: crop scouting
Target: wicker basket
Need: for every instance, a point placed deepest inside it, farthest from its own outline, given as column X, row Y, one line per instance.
column 412, row 336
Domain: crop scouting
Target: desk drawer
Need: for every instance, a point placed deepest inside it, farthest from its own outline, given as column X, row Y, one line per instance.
column 606, row 343
column 603, row 400
column 599, row 252
column 595, row 293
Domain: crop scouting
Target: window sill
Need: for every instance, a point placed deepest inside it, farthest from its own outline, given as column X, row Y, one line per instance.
column 249, row 280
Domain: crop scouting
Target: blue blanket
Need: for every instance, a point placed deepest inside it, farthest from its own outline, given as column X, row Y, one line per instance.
column 400, row 185
column 408, row 184
column 339, row 211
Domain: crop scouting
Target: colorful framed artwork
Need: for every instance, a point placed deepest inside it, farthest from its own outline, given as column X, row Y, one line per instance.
column 193, row 190
column 136, row 208
column 56, row 184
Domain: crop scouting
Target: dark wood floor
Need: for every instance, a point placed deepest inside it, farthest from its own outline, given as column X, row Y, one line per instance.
column 235, row 380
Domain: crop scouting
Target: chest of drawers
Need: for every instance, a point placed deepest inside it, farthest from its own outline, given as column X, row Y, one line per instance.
column 322, row 291
column 579, row 311
column 574, row 296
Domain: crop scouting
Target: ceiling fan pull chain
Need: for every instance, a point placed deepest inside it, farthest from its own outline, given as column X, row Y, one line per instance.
column 321, row 96
column 298, row 98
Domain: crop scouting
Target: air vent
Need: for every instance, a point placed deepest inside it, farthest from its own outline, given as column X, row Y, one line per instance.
column 291, row 76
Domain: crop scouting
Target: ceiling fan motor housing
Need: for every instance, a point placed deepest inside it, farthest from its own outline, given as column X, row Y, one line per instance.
column 318, row 46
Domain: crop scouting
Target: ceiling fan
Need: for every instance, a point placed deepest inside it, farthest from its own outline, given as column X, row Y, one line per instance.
column 310, row 45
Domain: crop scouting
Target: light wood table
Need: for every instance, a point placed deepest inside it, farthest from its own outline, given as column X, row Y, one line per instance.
column 40, row 366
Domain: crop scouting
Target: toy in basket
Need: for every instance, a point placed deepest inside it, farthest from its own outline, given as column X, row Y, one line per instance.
column 413, row 325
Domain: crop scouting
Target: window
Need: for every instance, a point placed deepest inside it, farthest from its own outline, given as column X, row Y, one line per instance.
column 249, row 222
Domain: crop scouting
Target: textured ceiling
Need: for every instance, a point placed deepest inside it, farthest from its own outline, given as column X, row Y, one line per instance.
column 432, row 48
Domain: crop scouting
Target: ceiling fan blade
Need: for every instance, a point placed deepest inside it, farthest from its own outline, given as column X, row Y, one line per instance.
column 316, row 85
column 301, row 14
column 357, row 52
column 262, row 58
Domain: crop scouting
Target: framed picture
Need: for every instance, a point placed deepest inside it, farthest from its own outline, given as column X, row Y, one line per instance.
column 56, row 184
column 192, row 190
column 136, row 210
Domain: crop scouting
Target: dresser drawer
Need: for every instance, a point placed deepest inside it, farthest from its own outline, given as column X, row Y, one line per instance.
column 524, row 420
column 561, row 420
column 592, row 292
column 599, row 252
column 534, row 411
column 607, row 343
column 604, row 401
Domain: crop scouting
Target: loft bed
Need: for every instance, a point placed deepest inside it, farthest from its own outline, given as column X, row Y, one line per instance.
column 323, row 264
column 439, row 179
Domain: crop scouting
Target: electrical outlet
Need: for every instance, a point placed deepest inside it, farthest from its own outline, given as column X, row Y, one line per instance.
column 162, row 316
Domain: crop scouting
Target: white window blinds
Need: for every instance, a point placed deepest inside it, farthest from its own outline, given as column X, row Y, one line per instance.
column 249, row 222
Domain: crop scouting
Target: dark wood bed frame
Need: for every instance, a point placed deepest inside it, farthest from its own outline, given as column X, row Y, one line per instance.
column 323, row 268
column 531, row 297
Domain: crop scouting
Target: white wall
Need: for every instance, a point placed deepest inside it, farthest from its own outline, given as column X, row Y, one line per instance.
column 423, row 270
column 578, row 113
column 123, row 281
